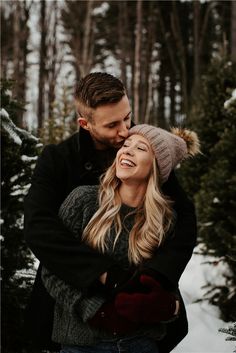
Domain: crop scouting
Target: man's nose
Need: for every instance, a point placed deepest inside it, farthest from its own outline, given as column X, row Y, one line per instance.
column 123, row 131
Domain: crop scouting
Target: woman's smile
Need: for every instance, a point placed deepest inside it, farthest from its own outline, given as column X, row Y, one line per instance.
column 124, row 162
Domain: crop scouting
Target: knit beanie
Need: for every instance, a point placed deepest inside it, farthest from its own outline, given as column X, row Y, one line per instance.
column 170, row 148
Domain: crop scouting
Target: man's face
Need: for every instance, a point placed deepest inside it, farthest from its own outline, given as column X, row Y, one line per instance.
column 109, row 125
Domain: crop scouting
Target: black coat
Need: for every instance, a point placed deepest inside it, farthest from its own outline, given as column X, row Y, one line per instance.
column 59, row 170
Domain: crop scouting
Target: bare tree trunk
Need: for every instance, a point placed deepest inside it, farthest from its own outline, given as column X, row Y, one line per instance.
column 175, row 71
column 149, row 99
column 137, row 59
column 199, row 36
column 161, row 96
column 16, row 54
column 86, row 63
column 233, row 31
column 182, row 55
column 196, row 22
column 167, row 36
column 54, row 66
column 16, row 42
column 42, row 65
column 20, row 50
column 5, row 44
column 149, row 74
column 122, row 30
column 25, row 40
column 172, row 101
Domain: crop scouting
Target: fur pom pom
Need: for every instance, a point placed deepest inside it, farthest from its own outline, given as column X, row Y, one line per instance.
column 191, row 139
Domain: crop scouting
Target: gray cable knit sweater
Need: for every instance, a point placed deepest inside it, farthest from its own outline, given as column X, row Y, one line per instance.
column 72, row 309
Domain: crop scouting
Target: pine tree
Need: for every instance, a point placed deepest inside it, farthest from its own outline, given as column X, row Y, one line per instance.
column 208, row 119
column 20, row 150
column 212, row 176
column 61, row 123
column 217, row 209
column 230, row 331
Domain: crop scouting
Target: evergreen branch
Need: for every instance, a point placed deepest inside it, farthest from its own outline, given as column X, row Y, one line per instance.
column 15, row 132
column 231, row 330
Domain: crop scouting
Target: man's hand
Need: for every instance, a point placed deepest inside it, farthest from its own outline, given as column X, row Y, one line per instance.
column 151, row 306
column 103, row 278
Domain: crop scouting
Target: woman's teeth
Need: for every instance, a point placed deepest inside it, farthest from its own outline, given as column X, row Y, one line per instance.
column 127, row 162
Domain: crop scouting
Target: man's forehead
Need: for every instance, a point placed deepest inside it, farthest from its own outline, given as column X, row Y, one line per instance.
column 116, row 110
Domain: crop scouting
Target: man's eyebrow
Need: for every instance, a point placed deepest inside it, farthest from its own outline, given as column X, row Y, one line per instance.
column 128, row 114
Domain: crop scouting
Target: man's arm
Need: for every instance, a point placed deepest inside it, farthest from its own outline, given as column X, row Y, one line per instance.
column 170, row 260
column 50, row 241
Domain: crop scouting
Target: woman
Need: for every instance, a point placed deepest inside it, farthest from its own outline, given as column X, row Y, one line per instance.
column 128, row 218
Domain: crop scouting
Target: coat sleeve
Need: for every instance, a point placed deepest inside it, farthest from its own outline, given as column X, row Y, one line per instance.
column 170, row 260
column 50, row 241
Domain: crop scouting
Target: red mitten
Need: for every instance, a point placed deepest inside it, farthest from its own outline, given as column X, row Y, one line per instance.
column 154, row 306
column 109, row 320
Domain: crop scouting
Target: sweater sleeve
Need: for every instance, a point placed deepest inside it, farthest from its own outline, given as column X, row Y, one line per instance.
column 48, row 238
column 70, row 298
column 71, row 212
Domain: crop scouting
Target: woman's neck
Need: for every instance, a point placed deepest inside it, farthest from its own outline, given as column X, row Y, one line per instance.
column 132, row 195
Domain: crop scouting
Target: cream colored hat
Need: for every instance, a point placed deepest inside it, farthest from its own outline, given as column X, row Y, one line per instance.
column 170, row 148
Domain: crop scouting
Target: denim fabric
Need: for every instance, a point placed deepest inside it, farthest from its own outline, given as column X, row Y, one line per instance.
column 126, row 345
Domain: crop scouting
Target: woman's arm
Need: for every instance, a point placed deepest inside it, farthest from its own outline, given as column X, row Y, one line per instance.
column 71, row 298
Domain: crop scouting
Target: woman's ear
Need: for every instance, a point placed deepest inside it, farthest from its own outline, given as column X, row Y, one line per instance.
column 82, row 122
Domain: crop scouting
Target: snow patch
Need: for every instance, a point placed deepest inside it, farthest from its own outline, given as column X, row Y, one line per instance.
column 204, row 318
column 25, row 158
column 231, row 100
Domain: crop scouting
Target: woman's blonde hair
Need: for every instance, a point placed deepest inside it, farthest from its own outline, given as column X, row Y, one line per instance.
column 152, row 218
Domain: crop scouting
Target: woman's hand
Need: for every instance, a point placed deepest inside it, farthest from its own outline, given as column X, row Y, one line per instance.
column 153, row 305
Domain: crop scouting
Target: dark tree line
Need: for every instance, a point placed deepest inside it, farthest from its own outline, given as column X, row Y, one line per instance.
column 161, row 49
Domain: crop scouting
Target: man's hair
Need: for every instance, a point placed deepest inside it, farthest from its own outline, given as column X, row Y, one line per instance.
column 96, row 89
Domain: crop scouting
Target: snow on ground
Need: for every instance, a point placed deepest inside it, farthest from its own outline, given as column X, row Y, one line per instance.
column 204, row 321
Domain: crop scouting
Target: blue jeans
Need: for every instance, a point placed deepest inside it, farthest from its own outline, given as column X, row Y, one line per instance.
column 124, row 345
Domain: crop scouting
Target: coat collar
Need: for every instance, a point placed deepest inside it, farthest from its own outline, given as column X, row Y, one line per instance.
column 88, row 153
column 86, row 145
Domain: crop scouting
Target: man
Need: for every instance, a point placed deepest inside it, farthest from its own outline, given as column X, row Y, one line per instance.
column 104, row 115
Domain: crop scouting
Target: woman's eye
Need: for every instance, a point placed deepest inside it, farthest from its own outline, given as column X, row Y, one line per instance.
column 142, row 148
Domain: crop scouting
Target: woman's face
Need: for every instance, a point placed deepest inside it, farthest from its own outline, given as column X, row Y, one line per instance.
column 134, row 160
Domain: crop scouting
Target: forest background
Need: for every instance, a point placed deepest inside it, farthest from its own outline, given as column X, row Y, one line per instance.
column 178, row 62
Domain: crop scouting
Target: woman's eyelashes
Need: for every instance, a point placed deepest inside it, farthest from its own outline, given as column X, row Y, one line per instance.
column 142, row 148
column 138, row 147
